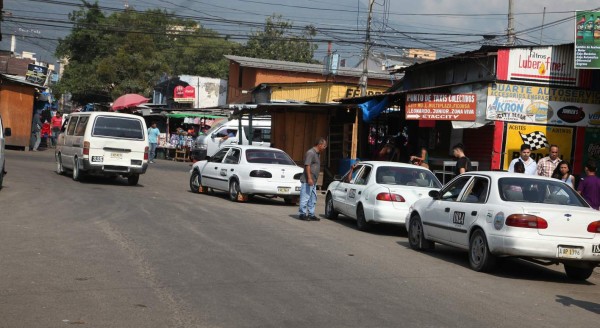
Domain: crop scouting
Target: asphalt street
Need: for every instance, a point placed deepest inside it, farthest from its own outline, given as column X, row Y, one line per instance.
column 101, row 253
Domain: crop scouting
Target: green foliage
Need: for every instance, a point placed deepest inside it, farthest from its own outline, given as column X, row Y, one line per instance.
column 127, row 52
column 278, row 41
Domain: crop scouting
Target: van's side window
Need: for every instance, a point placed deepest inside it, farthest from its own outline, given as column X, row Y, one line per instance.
column 71, row 127
column 80, row 130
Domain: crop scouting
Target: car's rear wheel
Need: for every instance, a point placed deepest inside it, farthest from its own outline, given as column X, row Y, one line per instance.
column 578, row 273
column 195, row 182
column 133, row 179
column 480, row 258
column 235, row 193
column 416, row 236
column 361, row 221
column 59, row 165
column 330, row 211
column 2, row 175
column 290, row 200
column 77, row 175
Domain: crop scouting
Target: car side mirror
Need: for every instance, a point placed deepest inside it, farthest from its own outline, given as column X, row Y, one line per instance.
column 7, row 132
column 435, row 194
column 214, row 135
column 337, row 178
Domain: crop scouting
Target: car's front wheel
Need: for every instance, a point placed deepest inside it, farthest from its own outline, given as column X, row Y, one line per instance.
column 330, row 211
column 480, row 258
column 195, row 182
column 416, row 237
column 578, row 273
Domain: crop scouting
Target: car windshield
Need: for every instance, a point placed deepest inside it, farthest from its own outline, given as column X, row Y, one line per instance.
column 538, row 191
column 406, row 176
column 268, row 156
column 118, row 127
column 219, row 123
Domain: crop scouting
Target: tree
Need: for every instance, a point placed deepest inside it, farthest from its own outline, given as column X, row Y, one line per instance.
column 127, row 52
column 277, row 41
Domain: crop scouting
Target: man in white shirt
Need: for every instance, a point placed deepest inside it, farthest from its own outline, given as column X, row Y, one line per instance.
column 530, row 165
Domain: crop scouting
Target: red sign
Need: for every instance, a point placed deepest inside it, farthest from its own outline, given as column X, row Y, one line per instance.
column 441, row 107
column 184, row 94
column 178, row 92
column 189, row 92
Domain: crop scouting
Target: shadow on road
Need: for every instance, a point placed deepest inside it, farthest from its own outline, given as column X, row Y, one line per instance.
column 568, row 301
column 375, row 229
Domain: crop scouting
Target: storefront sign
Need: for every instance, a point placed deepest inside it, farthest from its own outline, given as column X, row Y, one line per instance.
column 36, row 74
column 355, row 92
column 441, row 107
column 591, row 148
column 539, row 137
column 587, row 39
column 543, row 65
column 543, row 105
column 184, row 94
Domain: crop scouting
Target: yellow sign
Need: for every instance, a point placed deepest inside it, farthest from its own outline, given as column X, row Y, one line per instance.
column 539, row 137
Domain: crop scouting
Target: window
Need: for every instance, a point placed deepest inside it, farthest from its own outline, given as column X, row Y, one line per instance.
column 81, row 125
column 226, row 132
column 118, row 127
column 363, row 176
column 268, row 156
column 259, row 134
column 538, row 191
column 406, row 176
column 477, row 192
column 233, row 157
column 71, row 127
column 347, row 178
column 218, row 156
column 452, row 191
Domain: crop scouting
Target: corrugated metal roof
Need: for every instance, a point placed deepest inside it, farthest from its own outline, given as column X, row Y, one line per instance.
column 21, row 80
column 301, row 67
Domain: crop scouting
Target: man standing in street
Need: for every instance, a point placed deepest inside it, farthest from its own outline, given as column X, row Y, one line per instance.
column 463, row 163
column 153, row 133
column 56, row 124
column 548, row 164
column 589, row 187
column 308, row 192
column 36, row 130
column 530, row 165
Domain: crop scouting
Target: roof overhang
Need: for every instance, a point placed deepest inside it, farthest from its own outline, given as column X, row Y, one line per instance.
column 263, row 109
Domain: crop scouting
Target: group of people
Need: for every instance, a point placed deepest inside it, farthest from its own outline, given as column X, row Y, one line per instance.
column 47, row 130
column 553, row 167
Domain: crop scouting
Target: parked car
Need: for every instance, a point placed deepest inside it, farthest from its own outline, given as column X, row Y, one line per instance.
column 225, row 133
column 378, row 192
column 499, row 214
column 245, row 171
column 4, row 132
column 102, row 143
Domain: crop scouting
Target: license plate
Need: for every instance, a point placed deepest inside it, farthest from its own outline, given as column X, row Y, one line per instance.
column 97, row 158
column 570, row 252
column 283, row 190
column 116, row 155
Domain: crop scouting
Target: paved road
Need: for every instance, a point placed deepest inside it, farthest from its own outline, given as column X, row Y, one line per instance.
column 104, row 254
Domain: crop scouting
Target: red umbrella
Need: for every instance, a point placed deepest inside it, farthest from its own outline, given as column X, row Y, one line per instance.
column 129, row 100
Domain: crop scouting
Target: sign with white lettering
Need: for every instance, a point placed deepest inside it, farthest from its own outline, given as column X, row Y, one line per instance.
column 587, row 39
column 441, row 107
column 543, row 105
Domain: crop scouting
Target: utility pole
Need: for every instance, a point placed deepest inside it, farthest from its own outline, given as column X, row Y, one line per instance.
column 510, row 32
column 542, row 29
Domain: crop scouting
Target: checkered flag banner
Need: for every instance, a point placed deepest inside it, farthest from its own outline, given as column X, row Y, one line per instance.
column 536, row 140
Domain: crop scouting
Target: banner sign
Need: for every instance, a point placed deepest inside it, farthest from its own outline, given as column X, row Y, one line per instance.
column 539, row 65
column 36, row 74
column 441, row 107
column 539, row 137
column 543, row 105
column 184, row 94
column 587, row 39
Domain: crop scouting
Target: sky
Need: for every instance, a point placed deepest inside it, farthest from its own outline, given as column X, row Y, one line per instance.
column 446, row 26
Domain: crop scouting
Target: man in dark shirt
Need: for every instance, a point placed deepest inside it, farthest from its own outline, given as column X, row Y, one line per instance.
column 589, row 187
column 463, row 164
column 308, row 192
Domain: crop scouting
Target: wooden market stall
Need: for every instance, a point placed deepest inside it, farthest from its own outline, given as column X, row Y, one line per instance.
column 17, row 99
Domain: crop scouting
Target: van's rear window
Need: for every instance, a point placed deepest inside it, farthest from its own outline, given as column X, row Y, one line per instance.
column 118, row 127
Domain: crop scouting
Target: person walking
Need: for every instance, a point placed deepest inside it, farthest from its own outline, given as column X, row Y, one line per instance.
column 36, row 128
column 463, row 163
column 547, row 165
column 589, row 186
column 530, row 165
column 56, row 124
column 308, row 191
column 153, row 133
column 563, row 173
column 46, row 132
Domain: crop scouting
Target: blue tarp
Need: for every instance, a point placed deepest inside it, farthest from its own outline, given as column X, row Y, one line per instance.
column 372, row 108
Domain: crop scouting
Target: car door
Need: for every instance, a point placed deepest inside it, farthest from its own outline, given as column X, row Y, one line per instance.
column 229, row 167
column 437, row 218
column 340, row 192
column 356, row 188
column 67, row 151
column 468, row 209
column 211, row 173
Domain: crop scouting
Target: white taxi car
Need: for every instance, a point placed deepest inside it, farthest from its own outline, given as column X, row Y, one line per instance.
column 246, row 171
column 499, row 214
column 378, row 192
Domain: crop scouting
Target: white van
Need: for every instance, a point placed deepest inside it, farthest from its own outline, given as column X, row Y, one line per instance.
column 102, row 143
column 226, row 133
column 4, row 132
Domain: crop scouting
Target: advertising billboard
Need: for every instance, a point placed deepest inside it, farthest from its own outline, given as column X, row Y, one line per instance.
column 587, row 39
column 550, row 65
column 36, row 74
column 441, row 107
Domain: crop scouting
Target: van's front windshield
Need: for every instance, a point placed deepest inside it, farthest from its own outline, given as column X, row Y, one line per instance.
column 216, row 126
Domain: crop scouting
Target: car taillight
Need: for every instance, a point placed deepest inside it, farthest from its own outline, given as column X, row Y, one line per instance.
column 146, row 153
column 388, row 197
column 297, row 176
column 594, row 227
column 86, row 147
column 260, row 174
column 526, row 221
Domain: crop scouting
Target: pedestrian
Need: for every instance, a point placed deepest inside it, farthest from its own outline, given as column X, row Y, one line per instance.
column 56, row 124
column 36, row 128
column 528, row 162
column 463, row 163
column 153, row 134
column 547, row 165
column 422, row 159
column 562, row 172
column 46, row 133
column 308, row 191
column 589, row 186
